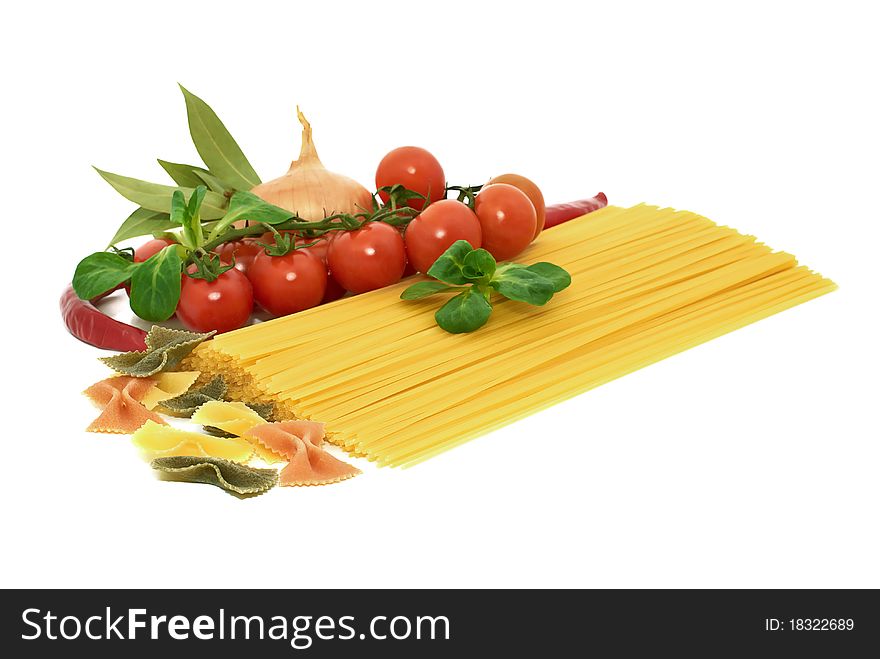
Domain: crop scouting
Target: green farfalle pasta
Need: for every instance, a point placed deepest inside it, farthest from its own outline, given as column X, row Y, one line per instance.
column 185, row 404
column 265, row 410
column 230, row 476
column 218, row 432
column 165, row 348
column 215, row 390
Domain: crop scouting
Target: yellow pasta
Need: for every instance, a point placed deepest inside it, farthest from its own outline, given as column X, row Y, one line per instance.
column 392, row 386
column 168, row 385
column 158, row 441
column 237, row 419
column 234, row 418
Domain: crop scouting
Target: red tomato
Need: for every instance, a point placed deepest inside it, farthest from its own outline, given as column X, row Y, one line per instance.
column 223, row 304
column 409, row 270
column 369, row 258
column 287, row 284
column 320, row 246
column 532, row 191
column 415, row 169
column 507, row 218
column 319, row 250
column 334, row 290
column 243, row 251
column 436, row 228
column 150, row 248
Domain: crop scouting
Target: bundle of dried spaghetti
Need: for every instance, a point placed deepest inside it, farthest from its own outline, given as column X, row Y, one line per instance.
column 390, row 385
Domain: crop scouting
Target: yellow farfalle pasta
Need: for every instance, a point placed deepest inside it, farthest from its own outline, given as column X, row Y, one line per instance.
column 157, row 441
column 390, row 385
column 237, row 419
column 232, row 417
column 168, row 385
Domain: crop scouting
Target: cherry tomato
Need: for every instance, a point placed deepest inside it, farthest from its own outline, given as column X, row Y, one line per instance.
column 436, row 228
column 533, row 192
column 243, row 251
column 269, row 238
column 415, row 169
column 223, row 304
column 409, row 270
column 334, row 289
column 317, row 247
column 371, row 257
column 507, row 218
column 150, row 248
column 287, row 284
column 319, row 250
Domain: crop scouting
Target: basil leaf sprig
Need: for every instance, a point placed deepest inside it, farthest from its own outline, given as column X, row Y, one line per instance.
column 474, row 275
column 155, row 283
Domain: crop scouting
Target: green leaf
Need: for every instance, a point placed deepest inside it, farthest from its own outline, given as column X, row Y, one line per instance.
column 155, row 285
column 449, row 265
column 157, row 197
column 99, row 273
column 478, row 264
column 195, row 201
column 466, row 312
column 216, row 146
column 424, row 289
column 179, row 211
column 193, row 209
column 523, row 285
column 248, row 206
column 142, row 222
column 185, row 175
column 557, row 276
column 186, row 214
column 214, row 184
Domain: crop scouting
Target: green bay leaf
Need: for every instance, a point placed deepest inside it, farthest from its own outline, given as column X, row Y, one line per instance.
column 142, row 222
column 220, row 152
column 157, row 197
column 214, row 184
column 185, row 175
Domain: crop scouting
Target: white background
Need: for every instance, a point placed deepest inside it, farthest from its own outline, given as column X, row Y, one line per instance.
column 749, row 461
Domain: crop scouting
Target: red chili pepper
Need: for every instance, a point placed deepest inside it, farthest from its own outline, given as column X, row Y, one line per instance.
column 559, row 213
column 91, row 325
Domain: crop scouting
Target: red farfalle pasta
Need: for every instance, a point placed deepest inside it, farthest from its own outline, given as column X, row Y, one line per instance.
column 300, row 442
column 119, row 397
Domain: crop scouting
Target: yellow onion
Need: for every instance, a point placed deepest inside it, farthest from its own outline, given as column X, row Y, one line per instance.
column 310, row 190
